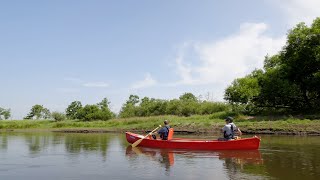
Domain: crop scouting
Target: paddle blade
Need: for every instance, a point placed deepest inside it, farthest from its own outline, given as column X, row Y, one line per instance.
column 136, row 143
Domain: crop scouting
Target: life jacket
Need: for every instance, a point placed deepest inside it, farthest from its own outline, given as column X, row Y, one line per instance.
column 229, row 136
column 170, row 134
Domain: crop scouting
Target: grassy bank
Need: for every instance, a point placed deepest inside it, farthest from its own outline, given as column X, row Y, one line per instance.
column 193, row 124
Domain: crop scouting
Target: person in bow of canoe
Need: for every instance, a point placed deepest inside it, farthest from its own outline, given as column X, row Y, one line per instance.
column 229, row 130
column 163, row 132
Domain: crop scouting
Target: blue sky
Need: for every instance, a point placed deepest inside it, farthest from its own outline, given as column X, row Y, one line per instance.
column 56, row 52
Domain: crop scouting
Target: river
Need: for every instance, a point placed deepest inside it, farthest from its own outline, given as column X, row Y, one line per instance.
column 55, row 156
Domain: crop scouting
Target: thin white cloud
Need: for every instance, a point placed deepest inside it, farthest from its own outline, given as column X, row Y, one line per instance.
column 148, row 81
column 68, row 90
column 296, row 11
column 96, row 84
column 221, row 61
column 73, row 79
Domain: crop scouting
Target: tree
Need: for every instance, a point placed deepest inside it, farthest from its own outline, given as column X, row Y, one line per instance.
column 104, row 104
column 38, row 112
column 277, row 93
column 133, row 99
column 5, row 113
column 242, row 90
column 58, row 116
column 73, row 109
column 188, row 97
column 174, row 107
column 129, row 109
column 99, row 111
column 300, row 59
column 93, row 112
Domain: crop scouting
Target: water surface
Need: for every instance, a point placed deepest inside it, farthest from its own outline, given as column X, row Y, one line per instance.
column 30, row 156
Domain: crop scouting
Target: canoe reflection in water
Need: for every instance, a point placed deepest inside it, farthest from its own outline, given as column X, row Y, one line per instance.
column 232, row 158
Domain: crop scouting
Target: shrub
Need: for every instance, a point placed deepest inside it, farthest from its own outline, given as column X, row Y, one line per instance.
column 58, row 116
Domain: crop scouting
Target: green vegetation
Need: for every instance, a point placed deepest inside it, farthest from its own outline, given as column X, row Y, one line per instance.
column 38, row 112
column 197, row 124
column 100, row 111
column 186, row 105
column 57, row 116
column 5, row 113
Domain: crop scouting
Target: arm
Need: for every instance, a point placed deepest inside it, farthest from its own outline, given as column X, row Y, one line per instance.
column 239, row 131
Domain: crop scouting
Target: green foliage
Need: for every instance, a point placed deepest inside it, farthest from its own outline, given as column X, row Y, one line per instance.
column 73, row 109
column 99, row 111
column 38, row 112
column 188, row 97
column 104, row 104
column 212, row 107
column 277, row 92
column 58, row 116
column 242, row 91
column 174, row 107
column 5, row 113
column 186, row 105
column 300, row 60
column 133, row 99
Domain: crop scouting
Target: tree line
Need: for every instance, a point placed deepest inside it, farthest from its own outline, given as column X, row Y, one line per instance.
column 289, row 81
column 187, row 105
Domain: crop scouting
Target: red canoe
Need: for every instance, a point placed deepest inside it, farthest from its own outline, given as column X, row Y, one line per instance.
column 196, row 144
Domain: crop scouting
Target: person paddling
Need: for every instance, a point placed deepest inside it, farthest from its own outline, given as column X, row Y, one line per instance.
column 229, row 130
column 164, row 131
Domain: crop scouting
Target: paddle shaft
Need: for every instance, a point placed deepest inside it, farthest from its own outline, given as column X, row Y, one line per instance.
column 139, row 141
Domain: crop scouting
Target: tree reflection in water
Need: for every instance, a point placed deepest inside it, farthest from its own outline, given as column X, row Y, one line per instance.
column 4, row 141
column 78, row 143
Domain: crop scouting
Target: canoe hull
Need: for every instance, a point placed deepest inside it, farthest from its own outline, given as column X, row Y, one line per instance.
column 177, row 143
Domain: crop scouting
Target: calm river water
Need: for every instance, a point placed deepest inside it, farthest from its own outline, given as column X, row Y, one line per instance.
column 31, row 156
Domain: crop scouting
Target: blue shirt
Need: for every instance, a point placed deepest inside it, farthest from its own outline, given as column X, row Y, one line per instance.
column 164, row 132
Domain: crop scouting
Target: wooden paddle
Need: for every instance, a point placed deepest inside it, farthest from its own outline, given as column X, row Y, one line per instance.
column 139, row 141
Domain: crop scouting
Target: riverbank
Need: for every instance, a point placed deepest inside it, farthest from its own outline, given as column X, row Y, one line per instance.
column 193, row 124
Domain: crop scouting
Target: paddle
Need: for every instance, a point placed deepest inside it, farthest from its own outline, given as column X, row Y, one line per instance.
column 139, row 141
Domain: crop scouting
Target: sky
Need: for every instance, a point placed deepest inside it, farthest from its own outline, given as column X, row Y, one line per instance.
column 56, row 52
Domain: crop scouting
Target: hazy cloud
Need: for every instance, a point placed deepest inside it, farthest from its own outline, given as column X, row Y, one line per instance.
column 96, row 84
column 68, row 90
column 296, row 11
column 148, row 81
column 73, row 79
column 228, row 58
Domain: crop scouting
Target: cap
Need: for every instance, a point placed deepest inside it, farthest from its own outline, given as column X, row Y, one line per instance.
column 229, row 119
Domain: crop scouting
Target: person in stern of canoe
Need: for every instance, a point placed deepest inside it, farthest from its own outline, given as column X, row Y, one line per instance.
column 163, row 132
column 229, row 130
